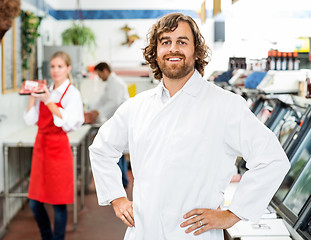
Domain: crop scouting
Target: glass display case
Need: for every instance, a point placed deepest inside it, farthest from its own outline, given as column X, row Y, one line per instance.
column 258, row 105
column 286, row 123
column 299, row 133
column 300, row 192
column 284, row 128
column 304, row 223
column 266, row 112
column 295, row 189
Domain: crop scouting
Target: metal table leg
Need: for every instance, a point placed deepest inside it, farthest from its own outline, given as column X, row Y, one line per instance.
column 82, row 174
column 75, row 204
column 6, row 187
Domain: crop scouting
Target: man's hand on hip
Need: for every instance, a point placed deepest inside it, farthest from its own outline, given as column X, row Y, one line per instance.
column 123, row 209
column 204, row 219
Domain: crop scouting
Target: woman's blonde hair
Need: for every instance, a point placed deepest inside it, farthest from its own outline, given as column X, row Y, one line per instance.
column 66, row 59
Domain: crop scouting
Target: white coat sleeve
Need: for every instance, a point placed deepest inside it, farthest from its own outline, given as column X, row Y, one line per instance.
column 246, row 136
column 31, row 117
column 105, row 153
column 72, row 113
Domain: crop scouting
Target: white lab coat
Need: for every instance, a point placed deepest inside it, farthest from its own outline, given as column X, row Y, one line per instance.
column 183, row 156
column 115, row 94
column 72, row 111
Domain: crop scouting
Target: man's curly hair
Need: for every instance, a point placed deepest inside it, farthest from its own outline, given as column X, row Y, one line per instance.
column 169, row 23
column 9, row 9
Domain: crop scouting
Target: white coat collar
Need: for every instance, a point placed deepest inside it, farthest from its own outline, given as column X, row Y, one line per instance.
column 62, row 87
column 111, row 76
column 192, row 86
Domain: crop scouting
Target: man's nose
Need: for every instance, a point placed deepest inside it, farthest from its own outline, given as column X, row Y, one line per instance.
column 174, row 48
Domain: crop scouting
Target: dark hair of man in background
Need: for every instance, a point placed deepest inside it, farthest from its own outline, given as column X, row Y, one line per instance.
column 101, row 66
column 169, row 24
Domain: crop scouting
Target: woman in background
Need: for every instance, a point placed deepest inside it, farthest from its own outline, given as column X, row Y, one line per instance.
column 56, row 112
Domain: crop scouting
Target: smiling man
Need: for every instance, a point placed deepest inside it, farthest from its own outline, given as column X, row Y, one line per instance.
column 184, row 137
column 175, row 53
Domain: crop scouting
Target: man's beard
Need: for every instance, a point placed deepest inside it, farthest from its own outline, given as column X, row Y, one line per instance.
column 175, row 71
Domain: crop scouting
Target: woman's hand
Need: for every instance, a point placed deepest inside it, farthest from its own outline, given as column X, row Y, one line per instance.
column 123, row 209
column 44, row 97
column 204, row 219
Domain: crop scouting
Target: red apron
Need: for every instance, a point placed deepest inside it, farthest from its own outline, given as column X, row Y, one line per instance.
column 51, row 178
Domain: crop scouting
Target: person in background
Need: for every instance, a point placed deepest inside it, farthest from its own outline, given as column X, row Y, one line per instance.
column 9, row 9
column 115, row 94
column 56, row 111
column 184, row 137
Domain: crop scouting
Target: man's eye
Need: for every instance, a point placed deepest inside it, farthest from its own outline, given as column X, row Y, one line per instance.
column 182, row 42
column 165, row 42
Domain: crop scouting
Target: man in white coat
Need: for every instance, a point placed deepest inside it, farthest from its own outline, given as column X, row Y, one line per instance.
column 115, row 94
column 184, row 137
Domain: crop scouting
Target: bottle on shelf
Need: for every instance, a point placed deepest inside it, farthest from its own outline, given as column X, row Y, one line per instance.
column 290, row 64
column 296, row 61
column 284, row 61
column 279, row 61
column 231, row 64
column 273, row 60
column 268, row 62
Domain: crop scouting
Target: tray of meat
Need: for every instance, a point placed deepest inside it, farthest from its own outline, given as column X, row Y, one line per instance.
column 32, row 86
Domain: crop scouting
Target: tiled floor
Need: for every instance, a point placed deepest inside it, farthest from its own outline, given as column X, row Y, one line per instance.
column 94, row 222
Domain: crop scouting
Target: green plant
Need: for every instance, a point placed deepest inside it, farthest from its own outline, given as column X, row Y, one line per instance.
column 30, row 25
column 78, row 34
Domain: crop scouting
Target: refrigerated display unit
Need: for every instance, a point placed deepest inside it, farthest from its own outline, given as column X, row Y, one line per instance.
column 294, row 192
column 281, row 112
column 304, row 223
column 298, row 195
column 258, row 105
column 283, row 119
column 264, row 109
column 299, row 133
